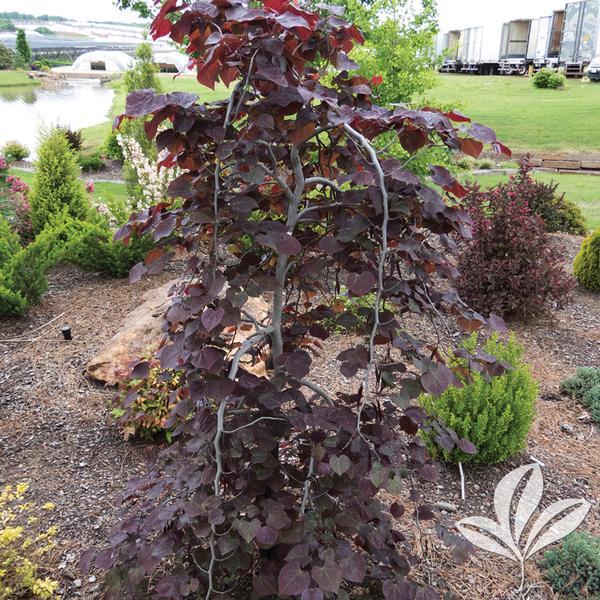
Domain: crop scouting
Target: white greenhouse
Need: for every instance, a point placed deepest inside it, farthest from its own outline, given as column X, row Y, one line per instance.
column 100, row 60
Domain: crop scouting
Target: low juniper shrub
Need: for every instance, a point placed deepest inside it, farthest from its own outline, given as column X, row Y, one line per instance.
column 495, row 415
column 510, row 266
column 584, row 387
column 91, row 247
column 573, row 567
column 587, row 263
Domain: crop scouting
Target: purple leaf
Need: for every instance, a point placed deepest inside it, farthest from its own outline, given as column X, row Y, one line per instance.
column 312, row 594
column 360, row 284
column 211, row 318
column 466, row 446
column 296, row 363
column 328, row 577
column 436, row 382
column 137, row 272
column 292, row 580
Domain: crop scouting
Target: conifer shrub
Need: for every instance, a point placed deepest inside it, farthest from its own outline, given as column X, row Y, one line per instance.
column 584, row 387
column 22, row 551
column 9, row 242
column 587, row 263
column 495, row 415
column 23, row 276
column 91, row 247
column 56, row 185
column 509, row 267
column 573, row 567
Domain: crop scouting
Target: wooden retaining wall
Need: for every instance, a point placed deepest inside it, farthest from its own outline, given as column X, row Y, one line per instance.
column 567, row 163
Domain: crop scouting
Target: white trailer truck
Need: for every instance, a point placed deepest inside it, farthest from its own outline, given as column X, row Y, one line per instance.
column 581, row 36
column 509, row 48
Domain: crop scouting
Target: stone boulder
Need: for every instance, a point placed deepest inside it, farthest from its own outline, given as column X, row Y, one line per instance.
column 141, row 333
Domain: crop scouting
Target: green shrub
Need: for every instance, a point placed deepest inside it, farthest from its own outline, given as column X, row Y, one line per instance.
column 23, row 277
column 573, row 568
column 494, row 415
column 7, row 58
column 584, row 387
column 90, row 246
column 15, row 151
column 486, row 163
column 548, row 79
column 587, row 263
column 144, row 405
column 91, row 163
column 56, row 185
column 112, row 148
column 9, row 242
column 21, row 551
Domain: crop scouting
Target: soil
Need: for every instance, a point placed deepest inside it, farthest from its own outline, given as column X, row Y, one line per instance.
column 55, row 431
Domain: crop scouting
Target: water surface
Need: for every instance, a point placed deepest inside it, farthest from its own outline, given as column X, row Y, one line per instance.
column 27, row 111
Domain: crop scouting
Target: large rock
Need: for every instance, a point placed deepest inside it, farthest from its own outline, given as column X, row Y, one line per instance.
column 141, row 333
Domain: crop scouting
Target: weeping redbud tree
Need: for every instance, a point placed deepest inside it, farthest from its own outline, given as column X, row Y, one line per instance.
column 272, row 487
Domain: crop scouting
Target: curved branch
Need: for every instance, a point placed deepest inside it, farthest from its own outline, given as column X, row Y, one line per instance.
column 366, row 145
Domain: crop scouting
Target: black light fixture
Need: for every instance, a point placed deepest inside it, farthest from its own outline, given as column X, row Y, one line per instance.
column 66, row 331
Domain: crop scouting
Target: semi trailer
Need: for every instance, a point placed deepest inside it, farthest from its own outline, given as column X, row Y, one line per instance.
column 569, row 37
column 581, row 36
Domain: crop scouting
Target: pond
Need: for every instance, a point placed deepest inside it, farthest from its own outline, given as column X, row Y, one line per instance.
column 27, row 110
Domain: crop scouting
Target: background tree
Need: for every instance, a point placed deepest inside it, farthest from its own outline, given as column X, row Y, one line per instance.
column 143, row 8
column 284, row 195
column 7, row 58
column 23, row 50
column 399, row 50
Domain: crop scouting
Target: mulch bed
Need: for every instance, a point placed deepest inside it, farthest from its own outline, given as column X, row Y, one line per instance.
column 55, row 431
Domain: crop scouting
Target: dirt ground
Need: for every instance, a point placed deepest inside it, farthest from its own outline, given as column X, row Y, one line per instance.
column 55, row 432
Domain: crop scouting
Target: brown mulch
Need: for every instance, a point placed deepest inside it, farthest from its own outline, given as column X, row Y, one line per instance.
column 55, row 431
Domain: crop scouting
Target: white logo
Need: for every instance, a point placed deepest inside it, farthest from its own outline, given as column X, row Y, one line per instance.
column 503, row 538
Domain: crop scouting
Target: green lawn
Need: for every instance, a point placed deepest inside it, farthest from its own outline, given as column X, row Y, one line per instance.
column 16, row 79
column 584, row 190
column 102, row 190
column 526, row 118
column 95, row 136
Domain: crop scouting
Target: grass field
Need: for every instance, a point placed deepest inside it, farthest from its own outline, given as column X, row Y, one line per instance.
column 16, row 79
column 584, row 190
column 526, row 118
column 95, row 136
column 102, row 190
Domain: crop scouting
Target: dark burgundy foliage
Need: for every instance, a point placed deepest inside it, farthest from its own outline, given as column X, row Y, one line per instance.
column 271, row 486
column 510, row 266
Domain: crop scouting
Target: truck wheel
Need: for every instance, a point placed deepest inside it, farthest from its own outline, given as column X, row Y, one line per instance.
column 522, row 70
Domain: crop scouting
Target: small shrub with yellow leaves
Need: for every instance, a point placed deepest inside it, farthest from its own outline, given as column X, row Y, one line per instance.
column 21, row 552
column 145, row 403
